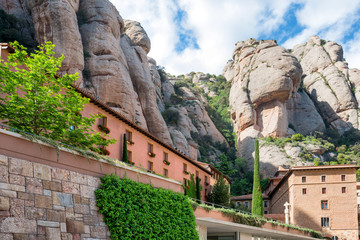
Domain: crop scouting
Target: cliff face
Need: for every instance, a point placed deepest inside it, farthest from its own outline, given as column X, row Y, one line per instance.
column 108, row 53
column 278, row 92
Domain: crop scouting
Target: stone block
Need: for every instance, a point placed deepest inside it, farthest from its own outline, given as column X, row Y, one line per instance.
column 66, row 236
column 76, row 237
column 55, row 186
column 55, row 216
column 48, row 223
column 53, row 234
column 77, row 199
column 87, row 191
column 87, row 229
column 4, row 214
column 74, row 226
column 83, row 209
column 85, row 201
column 21, row 167
column 98, row 232
column 47, row 193
column 35, row 213
column 91, row 220
column 4, row 204
column 78, row 178
column 17, row 179
column 17, row 208
column 12, row 187
column 63, row 227
column 4, row 175
column 29, row 203
column 34, row 185
column 4, row 236
column 43, row 202
column 93, row 181
column 42, row 171
column 69, row 187
column 62, row 199
column 60, row 208
column 18, row 225
column 19, row 236
column 4, row 160
column 41, row 230
column 7, row 193
column 26, row 196
column 60, row 174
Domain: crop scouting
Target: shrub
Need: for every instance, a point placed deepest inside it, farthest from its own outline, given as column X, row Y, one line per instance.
column 138, row 211
column 297, row 137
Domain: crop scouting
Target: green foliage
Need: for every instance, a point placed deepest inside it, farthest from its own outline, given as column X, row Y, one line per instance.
column 125, row 157
column 257, row 200
column 297, row 137
column 190, row 187
column 33, row 99
column 198, row 188
column 220, row 192
column 162, row 73
column 138, row 211
column 170, row 116
column 13, row 29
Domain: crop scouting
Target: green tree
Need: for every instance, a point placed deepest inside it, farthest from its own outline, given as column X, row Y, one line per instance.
column 198, row 188
column 220, row 192
column 35, row 100
column 125, row 157
column 257, row 200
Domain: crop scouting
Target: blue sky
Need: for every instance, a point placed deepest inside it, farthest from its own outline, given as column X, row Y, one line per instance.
column 199, row 35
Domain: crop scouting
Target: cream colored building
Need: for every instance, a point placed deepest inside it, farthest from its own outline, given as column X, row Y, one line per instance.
column 323, row 198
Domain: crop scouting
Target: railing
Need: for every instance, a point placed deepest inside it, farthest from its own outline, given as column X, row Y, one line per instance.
column 11, row 129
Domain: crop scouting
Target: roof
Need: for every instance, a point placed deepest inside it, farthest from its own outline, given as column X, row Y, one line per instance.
column 311, row 168
column 208, row 165
column 116, row 114
column 248, row 197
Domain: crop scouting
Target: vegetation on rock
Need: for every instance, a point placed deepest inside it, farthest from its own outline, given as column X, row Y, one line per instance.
column 139, row 211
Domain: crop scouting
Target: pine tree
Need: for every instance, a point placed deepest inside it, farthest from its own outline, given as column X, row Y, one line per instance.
column 198, row 188
column 125, row 153
column 220, row 192
column 257, row 200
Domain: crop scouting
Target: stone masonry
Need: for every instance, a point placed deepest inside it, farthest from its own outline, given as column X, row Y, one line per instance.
column 42, row 202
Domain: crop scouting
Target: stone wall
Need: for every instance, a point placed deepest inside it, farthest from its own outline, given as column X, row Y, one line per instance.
column 42, row 202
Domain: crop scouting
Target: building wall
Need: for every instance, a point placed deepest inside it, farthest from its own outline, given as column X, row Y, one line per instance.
column 45, row 197
column 280, row 197
column 139, row 150
column 307, row 210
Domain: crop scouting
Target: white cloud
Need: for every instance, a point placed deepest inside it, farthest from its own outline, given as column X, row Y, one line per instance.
column 218, row 25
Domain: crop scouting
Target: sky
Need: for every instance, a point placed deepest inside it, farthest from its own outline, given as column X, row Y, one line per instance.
column 200, row 35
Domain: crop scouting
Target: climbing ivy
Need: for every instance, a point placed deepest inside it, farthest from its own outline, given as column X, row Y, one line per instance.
column 138, row 211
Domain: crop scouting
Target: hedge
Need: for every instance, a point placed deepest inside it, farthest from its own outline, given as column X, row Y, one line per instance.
column 138, row 211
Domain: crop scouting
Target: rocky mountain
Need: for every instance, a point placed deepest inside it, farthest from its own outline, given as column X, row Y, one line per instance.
column 277, row 92
column 111, row 57
column 265, row 92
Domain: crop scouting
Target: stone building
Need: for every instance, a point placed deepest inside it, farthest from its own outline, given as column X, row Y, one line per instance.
column 323, row 198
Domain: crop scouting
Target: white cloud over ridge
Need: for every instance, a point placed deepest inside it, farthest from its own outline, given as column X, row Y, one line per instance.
column 218, row 25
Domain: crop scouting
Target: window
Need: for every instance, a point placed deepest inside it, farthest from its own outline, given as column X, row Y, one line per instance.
column 303, row 179
column 325, row 222
column 185, row 168
column 165, row 156
column 237, row 204
column 166, row 172
column 304, row 191
column 129, row 156
column 150, row 166
column 266, row 212
column 246, row 204
column 206, row 180
column 185, row 181
column 206, row 192
column 103, row 121
column 343, row 178
column 324, row 204
column 265, row 203
column 323, row 178
column 323, row 190
column 150, row 148
column 343, row 189
column 128, row 136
